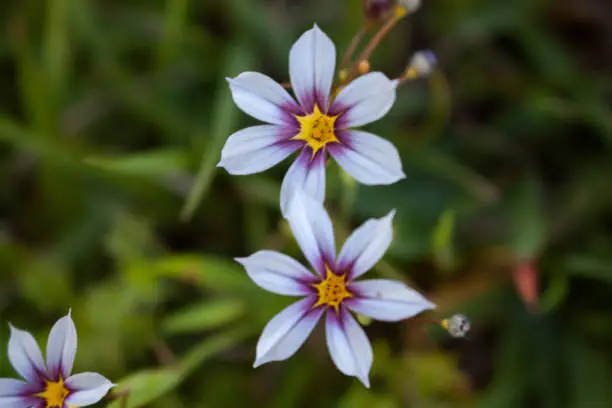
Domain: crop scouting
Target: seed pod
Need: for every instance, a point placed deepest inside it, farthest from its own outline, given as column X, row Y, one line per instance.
column 421, row 64
column 457, row 325
column 378, row 10
column 363, row 67
column 410, row 5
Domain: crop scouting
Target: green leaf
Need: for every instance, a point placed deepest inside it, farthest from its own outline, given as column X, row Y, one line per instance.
column 224, row 118
column 153, row 163
column 146, row 386
column 442, row 240
column 207, row 271
column 528, row 226
column 213, row 346
column 206, row 315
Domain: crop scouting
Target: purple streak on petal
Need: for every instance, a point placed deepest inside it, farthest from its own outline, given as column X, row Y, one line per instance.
column 386, row 300
column 290, row 111
column 312, row 62
column 257, row 148
column 87, row 389
column 25, row 356
column 287, row 331
column 348, row 345
column 366, row 246
column 279, row 273
column 305, row 174
column 364, row 100
column 61, row 348
column 313, row 230
column 369, row 159
column 261, row 97
column 19, row 402
column 10, row 387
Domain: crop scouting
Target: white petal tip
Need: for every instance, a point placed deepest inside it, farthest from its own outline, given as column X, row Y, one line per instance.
column 257, row 363
column 365, row 381
column 240, row 260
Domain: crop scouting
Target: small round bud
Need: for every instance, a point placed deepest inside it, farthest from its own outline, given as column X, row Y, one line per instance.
column 457, row 325
column 378, row 10
column 342, row 75
column 410, row 5
column 422, row 63
column 363, row 67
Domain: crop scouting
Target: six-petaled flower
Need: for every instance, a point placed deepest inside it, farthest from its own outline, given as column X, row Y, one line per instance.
column 317, row 124
column 332, row 291
column 51, row 384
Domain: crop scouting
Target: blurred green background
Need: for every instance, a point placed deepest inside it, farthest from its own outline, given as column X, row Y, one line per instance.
column 113, row 114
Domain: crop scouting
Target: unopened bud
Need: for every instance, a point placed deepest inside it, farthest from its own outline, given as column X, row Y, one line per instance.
column 421, row 64
column 457, row 325
column 378, row 10
column 342, row 75
column 410, row 5
column 363, row 67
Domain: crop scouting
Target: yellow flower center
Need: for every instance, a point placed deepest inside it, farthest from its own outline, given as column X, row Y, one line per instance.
column 316, row 129
column 54, row 394
column 332, row 290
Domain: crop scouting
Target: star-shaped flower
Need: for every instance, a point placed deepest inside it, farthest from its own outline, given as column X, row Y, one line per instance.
column 318, row 124
column 51, row 384
column 332, row 291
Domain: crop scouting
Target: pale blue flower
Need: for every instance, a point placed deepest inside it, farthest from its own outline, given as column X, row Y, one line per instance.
column 332, row 290
column 49, row 384
column 315, row 125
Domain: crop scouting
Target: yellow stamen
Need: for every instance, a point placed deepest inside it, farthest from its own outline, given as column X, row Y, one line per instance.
column 332, row 290
column 317, row 129
column 444, row 324
column 54, row 394
column 400, row 12
column 364, row 67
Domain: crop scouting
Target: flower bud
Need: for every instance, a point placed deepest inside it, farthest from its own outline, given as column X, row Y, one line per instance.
column 363, row 67
column 421, row 64
column 457, row 325
column 378, row 10
column 410, row 5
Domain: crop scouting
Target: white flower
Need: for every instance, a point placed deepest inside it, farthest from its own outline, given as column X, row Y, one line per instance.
column 316, row 125
column 332, row 291
column 51, row 384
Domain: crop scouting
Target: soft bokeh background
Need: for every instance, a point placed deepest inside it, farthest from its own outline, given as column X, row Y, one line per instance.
column 112, row 117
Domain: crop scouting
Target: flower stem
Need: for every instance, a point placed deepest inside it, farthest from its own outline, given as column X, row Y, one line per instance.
column 354, row 43
column 374, row 42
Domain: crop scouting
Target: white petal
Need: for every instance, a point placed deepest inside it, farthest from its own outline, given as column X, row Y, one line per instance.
column 386, row 300
column 366, row 245
column 88, row 388
column 61, row 348
column 263, row 98
column 365, row 100
column 287, row 331
column 313, row 231
column 25, row 356
column 312, row 62
column 17, row 402
column 305, row 174
column 10, row 387
column 12, row 393
column 369, row 159
column 256, row 149
column 278, row 273
column 348, row 345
